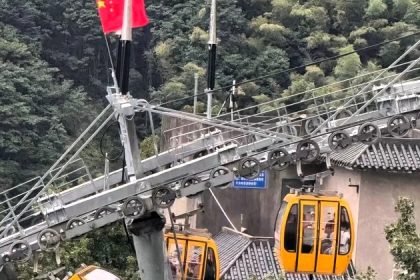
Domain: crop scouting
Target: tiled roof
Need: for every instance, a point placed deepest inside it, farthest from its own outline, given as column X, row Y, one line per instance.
column 390, row 154
column 230, row 246
column 243, row 256
column 348, row 156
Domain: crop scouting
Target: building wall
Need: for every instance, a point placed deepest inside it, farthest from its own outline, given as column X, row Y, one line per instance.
column 257, row 207
column 379, row 192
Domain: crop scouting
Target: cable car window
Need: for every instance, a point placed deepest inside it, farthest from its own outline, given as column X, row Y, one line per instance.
column 291, row 229
column 308, row 224
column 327, row 230
column 277, row 226
column 210, row 273
column 194, row 262
column 173, row 258
column 345, row 232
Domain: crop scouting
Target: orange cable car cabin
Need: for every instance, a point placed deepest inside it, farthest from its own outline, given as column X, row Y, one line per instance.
column 314, row 234
column 199, row 255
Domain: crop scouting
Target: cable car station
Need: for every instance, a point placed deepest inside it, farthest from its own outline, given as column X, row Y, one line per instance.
column 318, row 227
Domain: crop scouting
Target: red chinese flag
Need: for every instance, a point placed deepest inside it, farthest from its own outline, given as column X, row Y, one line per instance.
column 111, row 13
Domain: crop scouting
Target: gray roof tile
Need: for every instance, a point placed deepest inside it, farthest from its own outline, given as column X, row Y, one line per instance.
column 387, row 154
column 243, row 256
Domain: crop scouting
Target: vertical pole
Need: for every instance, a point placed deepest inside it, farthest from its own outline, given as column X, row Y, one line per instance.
column 195, row 92
column 231, row 101
column 124, row 52
column 209, row 103
column 147, row 232
column 211, row 69
column 127, row 125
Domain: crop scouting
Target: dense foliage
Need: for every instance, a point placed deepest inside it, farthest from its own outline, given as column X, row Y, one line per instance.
column 111, row 251
column 405, row 241
column 62, row 42
column 55, row 66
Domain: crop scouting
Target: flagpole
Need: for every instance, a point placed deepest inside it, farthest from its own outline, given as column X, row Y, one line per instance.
column 125, row 51
column 118, row 69
column 147, row 231
column 211, row 67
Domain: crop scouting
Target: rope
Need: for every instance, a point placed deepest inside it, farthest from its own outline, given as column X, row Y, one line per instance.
column 223, row 210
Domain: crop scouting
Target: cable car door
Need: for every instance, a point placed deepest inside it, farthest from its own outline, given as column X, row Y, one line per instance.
column 308, row 235
column 173, row 256
column 194, row 261
column 327, row 246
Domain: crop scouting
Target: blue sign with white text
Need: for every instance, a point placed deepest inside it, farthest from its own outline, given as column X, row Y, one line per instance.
column 257, row 183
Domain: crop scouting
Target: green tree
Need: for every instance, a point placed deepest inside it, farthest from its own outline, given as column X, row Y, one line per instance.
column 106, row 247
column 404, row 240
column 370, row 274
column 37, row 110
column 376, row 9
column 347, row 66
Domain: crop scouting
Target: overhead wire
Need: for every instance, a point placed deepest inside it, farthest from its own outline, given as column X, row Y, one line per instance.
column 291, row 69
column 303, row 101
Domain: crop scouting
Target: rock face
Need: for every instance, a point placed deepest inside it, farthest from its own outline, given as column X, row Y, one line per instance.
column 7, row 273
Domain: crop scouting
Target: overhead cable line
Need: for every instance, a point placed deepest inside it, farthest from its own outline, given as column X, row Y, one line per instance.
column 294, row 68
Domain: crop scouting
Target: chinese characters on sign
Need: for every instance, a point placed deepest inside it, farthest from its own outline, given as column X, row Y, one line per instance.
column 257, row 183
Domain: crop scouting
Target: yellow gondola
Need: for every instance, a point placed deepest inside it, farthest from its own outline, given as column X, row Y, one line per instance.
column 199, row 255
column 314, row 234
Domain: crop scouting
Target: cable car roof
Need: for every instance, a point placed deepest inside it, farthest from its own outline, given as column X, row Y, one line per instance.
column 316, row 195
column 204, row 233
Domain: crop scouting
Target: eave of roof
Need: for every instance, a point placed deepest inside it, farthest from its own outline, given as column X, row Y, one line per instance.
column 388, row 154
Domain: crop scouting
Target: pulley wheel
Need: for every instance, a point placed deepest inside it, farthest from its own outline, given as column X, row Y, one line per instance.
column 279, row 159
column 133, row 207
column 163, row 197
column 343, row 113
column 189, row 181
column 398, row 126
column 220, row 171
column 369, row 133
column 312, row 124
column 102, row 212
column 307, row 151
column 339, row 140
column 75, row 222
column 20, row 251
column 49, row 240
column 249, row 168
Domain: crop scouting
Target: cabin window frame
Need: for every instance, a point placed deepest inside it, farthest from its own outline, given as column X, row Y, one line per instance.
column 214, row 265
column 347, row 220
column 290, row 225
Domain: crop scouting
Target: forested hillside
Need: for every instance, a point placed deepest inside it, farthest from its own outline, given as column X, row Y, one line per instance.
column 55, row 65
column 63, row 39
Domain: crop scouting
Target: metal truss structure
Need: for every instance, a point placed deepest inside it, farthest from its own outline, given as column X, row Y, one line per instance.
column 204, row 153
